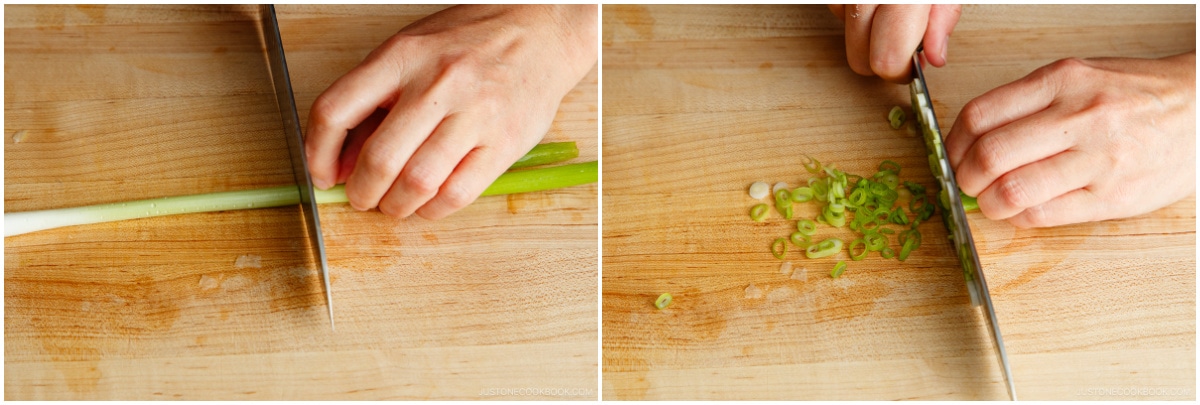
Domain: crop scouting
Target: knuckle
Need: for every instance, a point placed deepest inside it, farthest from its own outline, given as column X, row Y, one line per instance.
column 324, row 111
column 456, row 197
column 390, row 208
column 989, row 154
column 420, row 181
column 1013, row 192
column 972, row 117
column 378, row 162
column 1033, row 217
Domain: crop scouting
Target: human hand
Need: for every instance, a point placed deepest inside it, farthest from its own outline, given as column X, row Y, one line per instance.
column 435, row 114
column 1080, row 140
column 880, row 39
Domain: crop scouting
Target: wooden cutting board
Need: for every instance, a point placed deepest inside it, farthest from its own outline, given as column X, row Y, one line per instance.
column 701, row 101
column 116, row 103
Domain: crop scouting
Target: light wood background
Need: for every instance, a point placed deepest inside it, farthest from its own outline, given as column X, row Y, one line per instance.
column 116, row 103
column 701, row 101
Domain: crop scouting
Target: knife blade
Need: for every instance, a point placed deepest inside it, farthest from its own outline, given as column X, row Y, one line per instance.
column 285, row 98
column 956, row 219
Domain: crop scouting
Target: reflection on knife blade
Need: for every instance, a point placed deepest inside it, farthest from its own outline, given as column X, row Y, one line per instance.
column 956, row 217
column 291, row 125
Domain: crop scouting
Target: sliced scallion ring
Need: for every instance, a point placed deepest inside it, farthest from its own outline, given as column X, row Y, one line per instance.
column 806, row 227
column 826, row 248
column 759, row 212
column 779, row 248
column 663, row 301
column 860, row 255
column 838, row 269
column 801, row 240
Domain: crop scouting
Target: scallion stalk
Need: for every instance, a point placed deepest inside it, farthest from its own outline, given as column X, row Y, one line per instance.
column 547, row 153
column 16, row 223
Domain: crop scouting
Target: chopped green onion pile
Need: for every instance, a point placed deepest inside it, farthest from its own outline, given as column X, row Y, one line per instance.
column 869, row 205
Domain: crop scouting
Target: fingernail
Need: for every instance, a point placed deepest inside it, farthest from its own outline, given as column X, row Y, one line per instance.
column 945, row 43
column 322, row 184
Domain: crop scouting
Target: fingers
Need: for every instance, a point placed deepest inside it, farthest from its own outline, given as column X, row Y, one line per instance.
column 1012, row 146
column 338, row 109
column 355, row 141
column 429, row 167
column 997, row 108
column 1076, row 206
column 477, row 171
column 895, row 34
column 942, row 19
column 1035, row 184
column 388, row 150
column 858, row 37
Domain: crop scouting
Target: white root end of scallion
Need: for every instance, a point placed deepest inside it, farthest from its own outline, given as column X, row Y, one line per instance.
column 759, row 190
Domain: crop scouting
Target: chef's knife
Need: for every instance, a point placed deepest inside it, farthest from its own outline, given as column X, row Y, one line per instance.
column 291, row 126
column 956, row 218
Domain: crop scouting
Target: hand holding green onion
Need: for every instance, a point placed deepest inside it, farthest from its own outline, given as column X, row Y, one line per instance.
column 1080, row 140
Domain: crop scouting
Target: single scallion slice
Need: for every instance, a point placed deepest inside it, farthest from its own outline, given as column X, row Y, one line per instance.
column 779, row 248
column 806, row 227
column 860, row 255
column 838, row 269
column 825, row 248
column 896, row 117
column 663, row 301
column 759, row 212
column 887, row 253
column 801, row 240
column 783, row 202
column 759, row 190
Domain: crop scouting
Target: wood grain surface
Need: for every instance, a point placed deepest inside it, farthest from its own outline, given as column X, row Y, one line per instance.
column 112, row 103
column 701, row 101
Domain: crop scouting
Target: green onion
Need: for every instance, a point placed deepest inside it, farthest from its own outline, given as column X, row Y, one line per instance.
column 969, row 203
column 547, row 153
column 16, row 223
column 663, row 301
column 826, row 248
column 861, row 255
column 811, row 165
column 837, row 219
column 783, row 202
column 806, row 226
column 800, row 239
column 890, row 166
column 838, row 269
column 875, row 241
column 915, row 188
column 887, row 253
column 779, row 248
column 802, row 194
column 896, row 117
column 906, row 249
column 759, row 212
